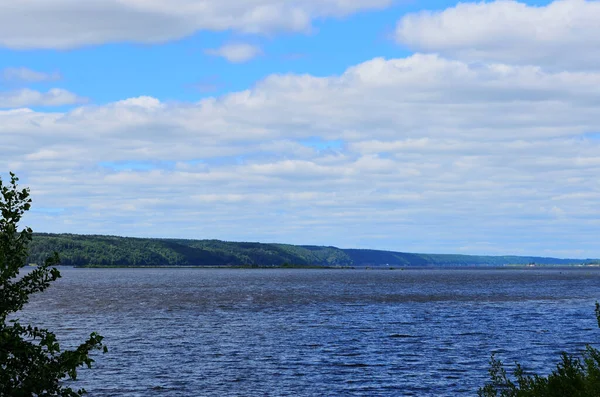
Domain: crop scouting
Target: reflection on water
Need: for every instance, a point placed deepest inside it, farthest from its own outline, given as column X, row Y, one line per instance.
column 232, row 332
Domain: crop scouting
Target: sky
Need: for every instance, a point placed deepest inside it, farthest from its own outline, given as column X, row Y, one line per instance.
column 429, row 126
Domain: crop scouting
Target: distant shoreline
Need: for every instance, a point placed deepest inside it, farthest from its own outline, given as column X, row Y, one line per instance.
column 316, row 267
column 112, row 251
column 210, row 267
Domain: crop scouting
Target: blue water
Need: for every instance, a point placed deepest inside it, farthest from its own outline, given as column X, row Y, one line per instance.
column 232, row 332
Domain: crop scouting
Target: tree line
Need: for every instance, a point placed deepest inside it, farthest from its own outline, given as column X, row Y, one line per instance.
column 96, row 250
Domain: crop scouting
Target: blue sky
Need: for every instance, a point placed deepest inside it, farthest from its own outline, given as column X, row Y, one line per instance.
column 412, row 126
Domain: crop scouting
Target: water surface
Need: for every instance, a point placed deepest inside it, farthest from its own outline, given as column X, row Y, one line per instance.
column 292, row 332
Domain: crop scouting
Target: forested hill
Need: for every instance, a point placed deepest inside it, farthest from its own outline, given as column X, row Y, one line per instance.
column 85, row 250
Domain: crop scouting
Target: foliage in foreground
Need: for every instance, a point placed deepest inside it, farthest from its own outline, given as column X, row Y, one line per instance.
column 573, row 377
column 31, row 361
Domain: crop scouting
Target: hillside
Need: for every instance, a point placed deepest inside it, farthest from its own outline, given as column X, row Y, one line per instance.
column 85, row 250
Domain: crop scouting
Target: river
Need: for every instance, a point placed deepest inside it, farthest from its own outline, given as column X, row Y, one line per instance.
column 293, row 332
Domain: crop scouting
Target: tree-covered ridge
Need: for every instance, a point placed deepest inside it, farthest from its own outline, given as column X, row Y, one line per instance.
column 96, row 250
column 377, row 258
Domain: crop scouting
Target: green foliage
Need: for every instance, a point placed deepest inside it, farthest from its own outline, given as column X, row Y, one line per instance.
column 573, row 376
column 107, row 251
column 31, row 361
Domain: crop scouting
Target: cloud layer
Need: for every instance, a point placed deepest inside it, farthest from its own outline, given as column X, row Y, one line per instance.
column 409, row 154
column 562, row 34
column 236, row 52
column 25, row 75
column 26, row 97
column 62, row 24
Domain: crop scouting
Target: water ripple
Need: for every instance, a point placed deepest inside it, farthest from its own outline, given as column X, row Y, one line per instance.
column 209, row 332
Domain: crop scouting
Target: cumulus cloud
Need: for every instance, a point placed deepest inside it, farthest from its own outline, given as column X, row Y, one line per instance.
column 562, row 34
column 71, row 23
column 27, row 97
column 435, row 155
column 236, row 52
column 25, row 75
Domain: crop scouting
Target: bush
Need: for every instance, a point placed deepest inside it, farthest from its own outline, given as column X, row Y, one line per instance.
column 574, row 377
column 31, row 361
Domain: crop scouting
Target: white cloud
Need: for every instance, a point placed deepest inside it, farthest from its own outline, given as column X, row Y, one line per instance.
column 236, row 52
column 27, row 97
column 144, row 102
column 73, row 23
column 25, row 75
column 562, row 34
column 436, row 154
